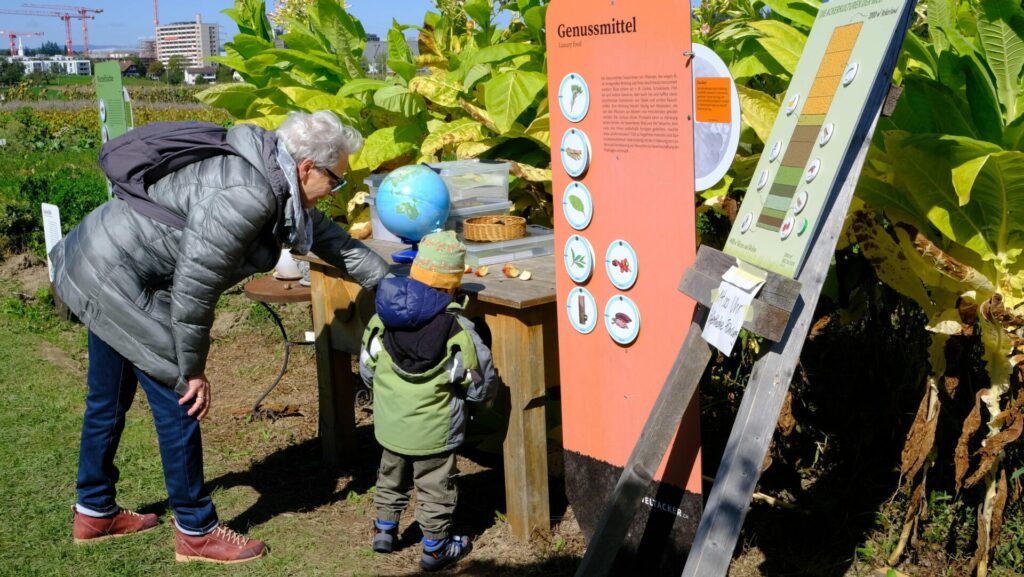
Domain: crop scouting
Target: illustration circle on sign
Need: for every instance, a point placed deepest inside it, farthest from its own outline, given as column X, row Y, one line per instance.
column 574, row 97
column 582, row 310
column 716, row 127
column 577, row 205
column 762, row 179
column 575, row 152
column 621, row 264
column 792, row 103
column 773, row 154
column 622, row 319
column 579, row 258
column 812, row 170
column 105, row 133
column 747, row 221
column 103, row 111
column 850, row 73
column 787, row 226
column 826, row 134
column 802, row 228
column 799, row 202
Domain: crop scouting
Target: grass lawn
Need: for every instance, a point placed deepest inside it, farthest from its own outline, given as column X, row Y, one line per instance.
column 266, row 476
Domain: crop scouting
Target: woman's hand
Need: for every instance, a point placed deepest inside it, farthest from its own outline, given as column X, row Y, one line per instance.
column 199, row 390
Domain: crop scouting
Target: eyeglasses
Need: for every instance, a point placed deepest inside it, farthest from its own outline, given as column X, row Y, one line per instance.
column 339, row 181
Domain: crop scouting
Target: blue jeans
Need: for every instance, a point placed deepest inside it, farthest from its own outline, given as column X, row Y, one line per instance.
column 112, row 384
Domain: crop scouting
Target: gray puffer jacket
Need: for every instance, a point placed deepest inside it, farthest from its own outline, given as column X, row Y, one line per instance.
column 149, row 290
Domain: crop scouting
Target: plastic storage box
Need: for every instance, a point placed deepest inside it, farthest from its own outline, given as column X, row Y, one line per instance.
column 472, row 181
column 539, row 241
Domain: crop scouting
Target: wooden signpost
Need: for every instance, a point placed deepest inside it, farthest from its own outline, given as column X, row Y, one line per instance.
column 788, row 225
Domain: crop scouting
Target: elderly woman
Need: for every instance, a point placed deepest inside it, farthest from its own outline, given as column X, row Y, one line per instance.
column 147, row 293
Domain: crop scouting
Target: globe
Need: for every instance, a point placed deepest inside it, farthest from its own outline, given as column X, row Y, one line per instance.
column 412, row 202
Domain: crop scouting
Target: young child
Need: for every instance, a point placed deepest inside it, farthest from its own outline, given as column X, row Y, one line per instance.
column 424, row 362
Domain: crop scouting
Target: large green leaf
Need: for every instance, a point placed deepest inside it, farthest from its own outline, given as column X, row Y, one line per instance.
column 758, row 110
column 342, row 32
column 999, row 29
column 385, row 145
column 358, row 85
column 534, row 19
column 453, row 133
column 399, row 99
column 797, row 11
column 499, row 53
column 308, row 60
column 437, row 88
column 476, row 73
column 996, row 197
column 540, row 131
column 400, row 58
column 235, row 97
column 930, row 107
column 311, row 100
column 783, row 42
column 510, row 93
column 479, row 10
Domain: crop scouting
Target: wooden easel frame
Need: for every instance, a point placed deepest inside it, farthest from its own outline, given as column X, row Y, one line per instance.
column 782, row 312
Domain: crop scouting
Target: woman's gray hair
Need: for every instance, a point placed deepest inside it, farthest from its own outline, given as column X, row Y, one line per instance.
column 320, row 137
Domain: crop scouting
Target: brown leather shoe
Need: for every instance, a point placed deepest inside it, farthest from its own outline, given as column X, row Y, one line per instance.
column 88, row 529
column 222, row 545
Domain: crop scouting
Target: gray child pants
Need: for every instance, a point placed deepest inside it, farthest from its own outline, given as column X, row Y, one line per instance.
column 433, row 476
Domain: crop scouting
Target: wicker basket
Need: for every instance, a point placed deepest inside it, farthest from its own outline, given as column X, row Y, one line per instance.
column 492, row 228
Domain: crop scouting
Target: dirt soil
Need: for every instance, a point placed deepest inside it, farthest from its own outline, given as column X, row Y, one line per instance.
column 276, row 458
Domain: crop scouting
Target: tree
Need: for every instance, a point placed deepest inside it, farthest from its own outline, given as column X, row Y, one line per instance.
column 48, row 48
column 11, row 72
column 200, row 80
column 155, row 69
column 176, row 70
column 225, row 74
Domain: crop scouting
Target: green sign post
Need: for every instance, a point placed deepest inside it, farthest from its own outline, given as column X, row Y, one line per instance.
column 115, row 106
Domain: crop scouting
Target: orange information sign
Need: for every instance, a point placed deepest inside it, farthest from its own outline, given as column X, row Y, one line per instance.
column 623, row 184
column 713, row 99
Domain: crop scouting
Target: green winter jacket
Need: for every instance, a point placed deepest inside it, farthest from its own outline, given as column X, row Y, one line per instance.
column 424, row 360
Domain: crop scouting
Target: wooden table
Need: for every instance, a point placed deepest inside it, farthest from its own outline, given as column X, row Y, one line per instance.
column 521, row 316
column 268, row 289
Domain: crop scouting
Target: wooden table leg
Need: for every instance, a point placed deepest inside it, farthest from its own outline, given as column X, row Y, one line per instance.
column 518, row 350
column 333, row 370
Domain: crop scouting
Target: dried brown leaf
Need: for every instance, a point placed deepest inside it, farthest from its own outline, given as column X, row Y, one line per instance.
column 999, row 506
column 961, row 457
column 1013, row 425
column 787, row 422
column 909, row 523
column 920, row 439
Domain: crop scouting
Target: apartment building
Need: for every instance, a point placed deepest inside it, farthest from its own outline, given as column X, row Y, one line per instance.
column 193, row 41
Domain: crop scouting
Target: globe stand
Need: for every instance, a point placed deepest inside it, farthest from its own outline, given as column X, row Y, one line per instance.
column 406, row 256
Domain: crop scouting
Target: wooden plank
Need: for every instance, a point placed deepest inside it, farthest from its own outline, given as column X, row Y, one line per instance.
column 766, row 320
column 778, row 291
column 518, row 351
column 334, row 381
column 662, row 424
column 758, row 414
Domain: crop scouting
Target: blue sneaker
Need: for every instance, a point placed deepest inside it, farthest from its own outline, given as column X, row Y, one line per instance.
column 385, row 533
column 440, row 553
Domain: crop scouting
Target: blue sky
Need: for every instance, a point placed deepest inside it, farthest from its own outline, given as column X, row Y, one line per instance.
column 123, row 22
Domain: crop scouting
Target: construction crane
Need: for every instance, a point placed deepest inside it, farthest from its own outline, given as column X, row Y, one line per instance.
column 82, row 13
column 156, row 15
column 63, row 16
column 13, row 35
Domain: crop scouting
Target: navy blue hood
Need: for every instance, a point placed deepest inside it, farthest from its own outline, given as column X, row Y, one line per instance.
column 404, row 303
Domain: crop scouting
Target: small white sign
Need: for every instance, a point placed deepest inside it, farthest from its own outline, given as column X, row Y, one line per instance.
column 730, row 308
column 51, row 231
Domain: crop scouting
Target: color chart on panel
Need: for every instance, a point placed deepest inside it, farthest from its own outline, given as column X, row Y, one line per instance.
column 808, row 126
column 836, row 89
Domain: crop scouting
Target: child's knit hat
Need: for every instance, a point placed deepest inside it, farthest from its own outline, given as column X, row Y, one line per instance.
column 441, row 260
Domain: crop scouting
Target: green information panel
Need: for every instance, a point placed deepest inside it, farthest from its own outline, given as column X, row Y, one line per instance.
column 839, row 84
column 115, row 107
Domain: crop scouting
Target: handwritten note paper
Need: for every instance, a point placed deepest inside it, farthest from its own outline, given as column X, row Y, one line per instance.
column 731, row 307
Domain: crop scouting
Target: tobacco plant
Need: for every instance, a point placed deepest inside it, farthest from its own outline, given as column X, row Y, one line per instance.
column 476, row 90
column 936, row 208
